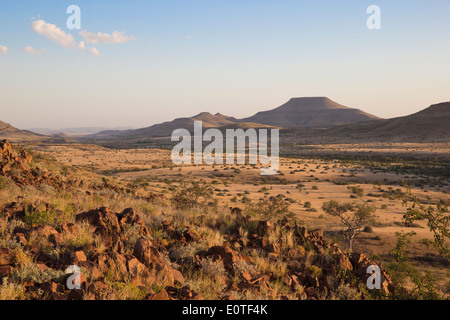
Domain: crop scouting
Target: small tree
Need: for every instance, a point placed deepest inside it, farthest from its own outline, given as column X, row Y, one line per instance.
column 353, row 217
column 438, row 223
column 192, row 196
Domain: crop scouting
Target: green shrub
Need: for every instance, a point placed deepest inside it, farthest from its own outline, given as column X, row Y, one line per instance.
column 357, row 191
column 192, row 196
column 42, row 218
column 4, row 183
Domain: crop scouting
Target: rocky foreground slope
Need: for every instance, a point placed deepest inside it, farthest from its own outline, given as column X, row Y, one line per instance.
column 191, row 255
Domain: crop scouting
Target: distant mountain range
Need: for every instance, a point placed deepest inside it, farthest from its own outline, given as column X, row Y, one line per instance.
column 296, row 113
column 75, row 131
column 311, row 119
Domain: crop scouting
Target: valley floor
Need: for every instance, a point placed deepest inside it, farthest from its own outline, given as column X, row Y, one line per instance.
column 311, row 176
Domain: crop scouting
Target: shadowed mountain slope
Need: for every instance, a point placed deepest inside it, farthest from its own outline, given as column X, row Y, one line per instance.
column 310, row 112
column 430, row 124
column 13, row 134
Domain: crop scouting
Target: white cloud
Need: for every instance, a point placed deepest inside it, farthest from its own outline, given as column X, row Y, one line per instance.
column 114, row 38
column 94, row 52
column 35, row 52
column 4, row 50
column 54, row 33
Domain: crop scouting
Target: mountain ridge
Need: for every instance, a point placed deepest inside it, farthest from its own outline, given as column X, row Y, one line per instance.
column 428, row 124
column 331, row 113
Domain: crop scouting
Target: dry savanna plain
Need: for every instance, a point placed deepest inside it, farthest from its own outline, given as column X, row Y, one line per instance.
column 374, row 174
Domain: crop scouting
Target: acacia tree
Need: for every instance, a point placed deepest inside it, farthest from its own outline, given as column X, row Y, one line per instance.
column 438, row 223
column 353, row 217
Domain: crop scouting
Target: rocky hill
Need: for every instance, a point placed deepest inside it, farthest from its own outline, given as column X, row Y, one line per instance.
column 165, row 129
column 13, row 134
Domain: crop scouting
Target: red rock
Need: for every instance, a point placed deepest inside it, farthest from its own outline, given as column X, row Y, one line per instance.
column 41, row 266
column 21, row 230
column 225, row 254
column 178, row 277
column 246, row 275
column 5, row 271
column 119, row 262
column 264, row 227
column 356, row 258
column 56, row 239
column 76, row 294
column 20, row 238
column 187, row 294
column 83, row 281
column 286, row 280
column 92, row 268
column 317, row 234
column 344, row 262
column 80, row 256
column 44, row 231
column 274, row 248
column 146, row 253
column 191, row 235
column 58, row 297
column 99, row 286
column 139, row 273
column 303, row 232
column 162, row 295
column 102, row 217
column 7, row 257
column 311, row 292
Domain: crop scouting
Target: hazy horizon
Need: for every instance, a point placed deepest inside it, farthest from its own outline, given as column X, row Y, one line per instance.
column 102, row 127
column 141, row 63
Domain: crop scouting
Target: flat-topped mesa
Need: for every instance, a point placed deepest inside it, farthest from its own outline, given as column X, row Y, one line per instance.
column 310, row 112
column 312, row 103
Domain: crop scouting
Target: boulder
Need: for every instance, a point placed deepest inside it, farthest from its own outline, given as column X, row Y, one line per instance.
column 191, row 235
column 227, row 255
column 159, row 269
column 5, row 271
column 102, row 217
column 7, row 257
column 79, row 256
column 5, row 150
column 76, row 294
column 92, row 268
column 118, row 262
column 139, row 273
column 264, row 227
column 344, row 262
column 187, row 294
column 162, row 295
column 44, row 231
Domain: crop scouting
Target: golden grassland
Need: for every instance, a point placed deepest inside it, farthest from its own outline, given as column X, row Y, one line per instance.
column 305, row 183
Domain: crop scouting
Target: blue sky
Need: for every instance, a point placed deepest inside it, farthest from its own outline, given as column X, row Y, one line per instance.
column 179, row 58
